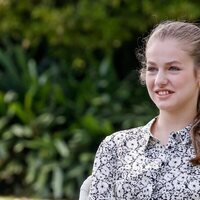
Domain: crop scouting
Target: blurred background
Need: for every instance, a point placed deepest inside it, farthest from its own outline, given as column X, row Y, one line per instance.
column 69, row 78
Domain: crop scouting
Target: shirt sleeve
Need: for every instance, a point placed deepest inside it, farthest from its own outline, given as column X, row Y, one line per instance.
column 104, row 170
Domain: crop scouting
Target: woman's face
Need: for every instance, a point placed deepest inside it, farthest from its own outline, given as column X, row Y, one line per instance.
column 170, row 76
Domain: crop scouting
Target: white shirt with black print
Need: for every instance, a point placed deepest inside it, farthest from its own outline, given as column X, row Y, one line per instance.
column 133, row 165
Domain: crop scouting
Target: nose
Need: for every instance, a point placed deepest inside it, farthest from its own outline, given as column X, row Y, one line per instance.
column 161, row 79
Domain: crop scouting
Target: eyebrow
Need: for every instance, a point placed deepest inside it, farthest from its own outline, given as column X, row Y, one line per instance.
column 168, row 63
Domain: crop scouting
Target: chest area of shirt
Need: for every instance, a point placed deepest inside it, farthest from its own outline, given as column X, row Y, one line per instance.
column 156, row 172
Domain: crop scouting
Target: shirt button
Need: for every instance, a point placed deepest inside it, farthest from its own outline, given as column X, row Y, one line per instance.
column 162, row 163
column 174, row 135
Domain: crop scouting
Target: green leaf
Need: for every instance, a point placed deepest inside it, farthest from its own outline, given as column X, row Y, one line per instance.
column 57, row 182
column 62, row 148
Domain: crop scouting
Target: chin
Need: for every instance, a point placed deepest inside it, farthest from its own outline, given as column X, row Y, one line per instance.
column 165, row 107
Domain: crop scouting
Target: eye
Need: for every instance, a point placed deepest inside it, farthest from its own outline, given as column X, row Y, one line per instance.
column 152, row 69
column 174, row 68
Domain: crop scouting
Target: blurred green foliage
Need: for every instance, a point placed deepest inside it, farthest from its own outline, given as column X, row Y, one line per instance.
column 68, row 78
column 81, row 26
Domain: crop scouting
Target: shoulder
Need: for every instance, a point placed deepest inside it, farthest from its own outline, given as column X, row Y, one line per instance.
column 125, row 134
column 124, row 137
column 128, row 139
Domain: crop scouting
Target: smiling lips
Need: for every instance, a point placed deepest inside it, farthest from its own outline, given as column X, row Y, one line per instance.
column 164, row 92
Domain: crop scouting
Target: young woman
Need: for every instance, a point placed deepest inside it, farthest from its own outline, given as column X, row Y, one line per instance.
column 160, row 160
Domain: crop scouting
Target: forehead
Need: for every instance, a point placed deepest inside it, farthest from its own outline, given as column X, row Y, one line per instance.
column 167, row 50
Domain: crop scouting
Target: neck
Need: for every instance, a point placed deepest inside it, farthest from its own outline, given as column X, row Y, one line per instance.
column 168, row 122
column 176, row 121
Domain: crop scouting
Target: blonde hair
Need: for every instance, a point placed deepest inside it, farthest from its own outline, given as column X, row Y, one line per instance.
column 189, row 34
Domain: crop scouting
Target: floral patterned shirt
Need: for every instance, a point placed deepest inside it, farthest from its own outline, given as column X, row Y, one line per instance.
column 132, row 164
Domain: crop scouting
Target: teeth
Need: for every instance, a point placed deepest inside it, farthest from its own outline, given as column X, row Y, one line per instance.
column 162, row 93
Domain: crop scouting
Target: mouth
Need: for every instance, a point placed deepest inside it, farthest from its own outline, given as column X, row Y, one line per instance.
column 164, row 92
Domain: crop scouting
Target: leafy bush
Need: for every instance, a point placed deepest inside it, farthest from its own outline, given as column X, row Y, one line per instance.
column 54, row 117
column 82, row 26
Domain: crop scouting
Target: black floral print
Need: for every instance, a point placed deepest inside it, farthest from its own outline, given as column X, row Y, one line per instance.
column 133, row 165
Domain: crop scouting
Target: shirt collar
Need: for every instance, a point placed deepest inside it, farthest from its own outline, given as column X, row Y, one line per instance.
column 146, row 129
column 180, row 136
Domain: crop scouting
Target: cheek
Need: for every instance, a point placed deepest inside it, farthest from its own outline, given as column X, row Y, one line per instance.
column 149, row 82
column 186, row 79
column 178, row 83
column 149, row 86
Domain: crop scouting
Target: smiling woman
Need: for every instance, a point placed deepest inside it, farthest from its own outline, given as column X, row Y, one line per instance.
column 160, row 160
column 172, row 75
column 171, row 81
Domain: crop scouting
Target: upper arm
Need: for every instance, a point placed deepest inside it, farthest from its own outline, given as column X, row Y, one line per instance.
column 104, row 170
